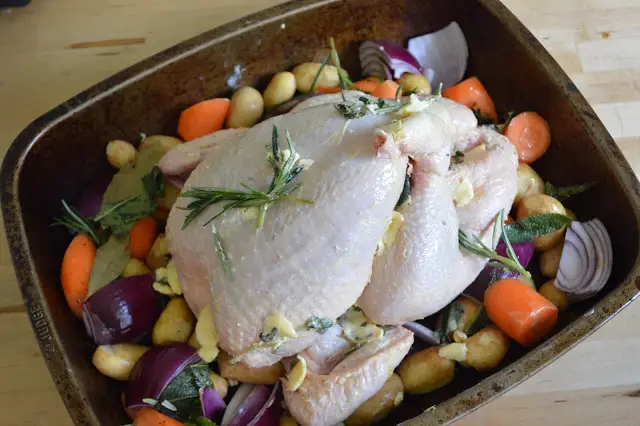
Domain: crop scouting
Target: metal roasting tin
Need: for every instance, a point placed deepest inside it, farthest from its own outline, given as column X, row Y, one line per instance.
column 62, row 151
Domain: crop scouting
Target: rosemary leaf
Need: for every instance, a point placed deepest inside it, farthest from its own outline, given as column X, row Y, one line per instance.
column 317, row 77
column 72, row 219
column 222, row 255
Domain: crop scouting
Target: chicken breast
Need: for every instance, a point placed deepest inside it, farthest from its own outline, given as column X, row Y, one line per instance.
column 308, row 259
column 327, row 399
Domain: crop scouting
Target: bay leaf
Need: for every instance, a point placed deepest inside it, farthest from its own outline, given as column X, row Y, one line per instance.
column 110, row 260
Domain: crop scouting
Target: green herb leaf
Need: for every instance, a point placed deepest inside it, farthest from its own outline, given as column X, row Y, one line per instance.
column 110, row 260
column 73, row 220
column 222, row 255
column 184, row 393
column 345, row 82
column 321, row 325
column 406, row 191
column 153, row 182
column 450, row 318
column 200, row 421
column 456, row 158
column 563, row 192
column 317, row 77
column 480, row 321
column 534, row 226
column 474, row 245
column 364, row 106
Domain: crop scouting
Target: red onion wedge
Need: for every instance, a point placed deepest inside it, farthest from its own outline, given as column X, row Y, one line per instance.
column 90, row 201
column 586, row 261
column 155, row 370
column 423, row 333
column 254, row 405
column 122, row 311
column 445, row 52
column 386, row 60
column 212, row 404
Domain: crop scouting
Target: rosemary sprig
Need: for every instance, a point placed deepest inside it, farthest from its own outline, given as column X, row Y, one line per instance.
column 285, row 170
column 364, row 106
column 398, row 93
column 345, row 82
column 222, row 255
column 475, row 245
column 72, row 219
column 317, row 77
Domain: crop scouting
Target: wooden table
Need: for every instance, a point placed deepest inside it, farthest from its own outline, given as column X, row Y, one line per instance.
column 53, row 49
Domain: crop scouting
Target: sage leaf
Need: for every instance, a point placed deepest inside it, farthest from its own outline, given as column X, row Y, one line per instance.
column 110, row 260
column 530, row 227
column 184, row 392
column 563, row 192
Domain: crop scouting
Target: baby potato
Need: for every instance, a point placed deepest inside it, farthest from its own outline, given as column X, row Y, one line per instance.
column 487, row 348
column 117, row 361
column 120, row 153
column 241, row 372
column 414, row 83
column 425, row 371
column 167, row 142
column 170, row 196
column 550, row 260
column 537, row 204
column 220, row 384
column 554, row 295
column 529, row 182
column 379, row 405
column 281, row 88
column 175, row 324
column 306, row 73
column 135, row 267
column 246, row 108
column 158, row 256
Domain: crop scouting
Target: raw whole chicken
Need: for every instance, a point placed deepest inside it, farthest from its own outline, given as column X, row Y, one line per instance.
column 316, row 260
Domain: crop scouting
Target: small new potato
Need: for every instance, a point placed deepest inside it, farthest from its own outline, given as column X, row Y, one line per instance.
column 529, row 182
column 538, row 204
column 120, row 153
column 550, row 260
column 281, row 88
column 554, row 295
column 306, row 73
column 158, row 256
column 175, row 324
column 135, row 267
column 220, row 384
column 167, row 142
column 379, row 405
column 241, row 372
column 414, row 83
column 487, row 348
column 425, row 371
column 246, row 108
column 117, row 361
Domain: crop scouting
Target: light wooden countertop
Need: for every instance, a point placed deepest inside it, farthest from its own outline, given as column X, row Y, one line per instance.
column 54, row 49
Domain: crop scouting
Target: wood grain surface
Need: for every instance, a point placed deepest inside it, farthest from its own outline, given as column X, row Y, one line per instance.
column 53, row 49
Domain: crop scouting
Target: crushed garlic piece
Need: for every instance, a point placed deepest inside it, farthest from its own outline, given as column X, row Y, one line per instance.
column 454, row 352
column 172, row 278
column 296, row 376
column 463, row 194
column 357, row 328
column 206, row 336
column 283, row 326
column 389, row 235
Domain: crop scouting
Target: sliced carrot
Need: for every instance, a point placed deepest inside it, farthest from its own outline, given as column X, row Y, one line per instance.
column 387, row 90
column 520, row 311
column 203, row 118
column 530, row 134
column 141, row 237
column 471, row 93
column 327, row 90
column 75, row 271
column 368, row 85
column 150, row 417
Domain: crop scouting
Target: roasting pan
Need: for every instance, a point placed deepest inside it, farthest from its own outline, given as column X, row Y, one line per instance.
column 60, row 152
